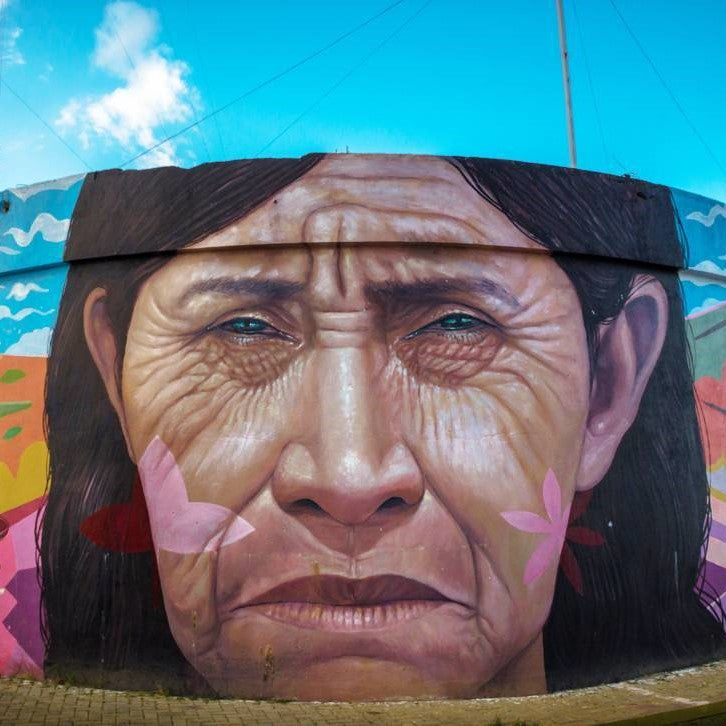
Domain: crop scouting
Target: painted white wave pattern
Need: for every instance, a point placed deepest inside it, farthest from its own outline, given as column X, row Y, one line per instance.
column 35, row 342
column 5, row 312
column 20, row 290
column 708, row 220
column 52, row 230
column 64, row 184
column 8, row 251
column 704, row 273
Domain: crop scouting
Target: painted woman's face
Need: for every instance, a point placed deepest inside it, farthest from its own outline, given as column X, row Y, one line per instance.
column 340, row 440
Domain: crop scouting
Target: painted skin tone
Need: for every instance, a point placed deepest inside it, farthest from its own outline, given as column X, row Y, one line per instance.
column 370, row 410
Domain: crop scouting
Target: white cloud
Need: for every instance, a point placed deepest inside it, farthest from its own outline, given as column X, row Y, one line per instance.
column 36, row 342
column 153, row 90
column 20, row 290
column 124, row 36
column 9, row 52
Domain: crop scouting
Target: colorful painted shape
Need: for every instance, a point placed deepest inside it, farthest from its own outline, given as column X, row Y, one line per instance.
column 121, row 527
column 23, row 622
column 179, row 525
column 555, row 527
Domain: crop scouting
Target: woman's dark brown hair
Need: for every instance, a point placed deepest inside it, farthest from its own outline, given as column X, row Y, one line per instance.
column 640, row 609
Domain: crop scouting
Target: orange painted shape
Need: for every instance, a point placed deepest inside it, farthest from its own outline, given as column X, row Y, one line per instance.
column 28, row 388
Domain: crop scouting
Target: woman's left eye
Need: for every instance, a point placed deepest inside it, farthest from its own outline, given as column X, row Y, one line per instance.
column 248, row 326
column 451, row 323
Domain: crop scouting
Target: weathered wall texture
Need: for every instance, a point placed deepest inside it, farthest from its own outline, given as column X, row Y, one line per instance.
column 355, row 427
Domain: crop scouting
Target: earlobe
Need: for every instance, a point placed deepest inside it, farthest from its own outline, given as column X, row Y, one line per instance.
column 101, row 343
column 628, row 350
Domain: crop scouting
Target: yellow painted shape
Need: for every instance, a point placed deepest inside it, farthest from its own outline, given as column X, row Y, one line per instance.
column 717, row 464
column 30, row 481
column 716, row 494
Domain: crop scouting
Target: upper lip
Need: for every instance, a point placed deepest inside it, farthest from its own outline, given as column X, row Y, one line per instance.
column 336, row 590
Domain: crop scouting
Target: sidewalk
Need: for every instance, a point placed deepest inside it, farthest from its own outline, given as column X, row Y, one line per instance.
column 695, row 695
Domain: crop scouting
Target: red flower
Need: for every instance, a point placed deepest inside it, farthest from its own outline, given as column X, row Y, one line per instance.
column 121, row 527
column 579, row 535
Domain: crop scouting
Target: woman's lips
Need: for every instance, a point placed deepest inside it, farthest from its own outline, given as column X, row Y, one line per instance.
column 334, row 603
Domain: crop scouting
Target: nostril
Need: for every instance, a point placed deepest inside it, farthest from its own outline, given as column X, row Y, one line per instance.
column 307, row 505
column 392, row 503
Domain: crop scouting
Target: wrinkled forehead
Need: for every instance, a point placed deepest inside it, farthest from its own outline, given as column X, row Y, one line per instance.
column 359, row 199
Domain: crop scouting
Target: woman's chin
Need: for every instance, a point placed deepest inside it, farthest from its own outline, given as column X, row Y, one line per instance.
column 349, row 678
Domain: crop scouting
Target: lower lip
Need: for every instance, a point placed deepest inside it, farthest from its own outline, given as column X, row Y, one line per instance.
column 347, row 618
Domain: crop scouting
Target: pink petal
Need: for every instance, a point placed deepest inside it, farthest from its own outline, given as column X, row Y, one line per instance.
column 540, row 559
column 552, row 495
column 528, row 522
column 178, row 525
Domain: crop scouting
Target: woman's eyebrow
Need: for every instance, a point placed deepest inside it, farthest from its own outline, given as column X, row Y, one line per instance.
column 418, row 290
column 239, row 286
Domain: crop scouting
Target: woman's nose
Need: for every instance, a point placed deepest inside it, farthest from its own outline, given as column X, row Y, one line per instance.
column 349, row 464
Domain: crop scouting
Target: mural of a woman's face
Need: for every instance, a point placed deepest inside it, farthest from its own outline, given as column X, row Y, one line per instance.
column 339, row 438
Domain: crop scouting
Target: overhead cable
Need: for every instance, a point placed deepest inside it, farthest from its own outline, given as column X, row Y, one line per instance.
column 596, row 106
column 668, row 90
column 45, row 123
column 268, row 81
column 135, row 69
column 205, row 79
column 347, row 75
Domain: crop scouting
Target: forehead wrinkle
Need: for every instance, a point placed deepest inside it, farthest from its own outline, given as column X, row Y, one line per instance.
column 422, row 194
column 389, row 216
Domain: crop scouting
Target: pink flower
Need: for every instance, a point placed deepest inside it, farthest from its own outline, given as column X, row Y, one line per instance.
column 555, row 527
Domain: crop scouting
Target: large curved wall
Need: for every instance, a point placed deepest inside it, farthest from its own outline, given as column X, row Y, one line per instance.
column 359, row 427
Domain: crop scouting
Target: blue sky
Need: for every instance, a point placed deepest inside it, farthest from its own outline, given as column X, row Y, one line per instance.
column 473, row 77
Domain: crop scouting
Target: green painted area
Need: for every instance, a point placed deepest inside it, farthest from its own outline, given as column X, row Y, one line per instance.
column 11, row 433
column 707, row 340
column 13, row 407
column 11, row 375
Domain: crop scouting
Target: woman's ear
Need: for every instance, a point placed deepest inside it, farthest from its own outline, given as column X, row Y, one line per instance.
column 628, row 349
column 101, row 342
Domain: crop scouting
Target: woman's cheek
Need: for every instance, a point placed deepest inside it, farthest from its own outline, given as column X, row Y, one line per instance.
column 486, row 451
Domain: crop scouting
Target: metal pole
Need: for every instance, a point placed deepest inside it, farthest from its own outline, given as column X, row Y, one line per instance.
column 566, row 84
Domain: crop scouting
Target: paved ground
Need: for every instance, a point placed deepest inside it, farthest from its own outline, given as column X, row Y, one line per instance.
column 696, row 695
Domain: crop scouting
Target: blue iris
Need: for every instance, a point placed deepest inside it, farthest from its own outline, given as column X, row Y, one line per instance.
column 457, row 321
column 246, row 326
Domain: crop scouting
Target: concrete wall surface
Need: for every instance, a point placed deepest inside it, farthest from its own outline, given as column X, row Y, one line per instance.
column 358, row 427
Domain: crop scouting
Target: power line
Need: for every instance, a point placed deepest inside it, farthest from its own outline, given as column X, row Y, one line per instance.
column 596, row 105
column 347, row 75
column 269, row 80
column 134, row 67
column 203, row 66
column 45, row 123
column 2, row 38
column 668, row 90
